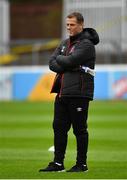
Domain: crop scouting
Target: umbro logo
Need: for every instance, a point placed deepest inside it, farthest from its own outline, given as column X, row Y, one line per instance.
column 79, row 109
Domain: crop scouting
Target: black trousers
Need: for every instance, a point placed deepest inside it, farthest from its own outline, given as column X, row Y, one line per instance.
column 70, row 111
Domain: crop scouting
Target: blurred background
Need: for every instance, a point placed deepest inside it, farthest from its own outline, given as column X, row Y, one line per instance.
column 30, row 31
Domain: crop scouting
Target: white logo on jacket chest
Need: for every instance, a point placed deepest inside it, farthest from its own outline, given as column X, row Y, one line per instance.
column 79, row 109
column 63, row 49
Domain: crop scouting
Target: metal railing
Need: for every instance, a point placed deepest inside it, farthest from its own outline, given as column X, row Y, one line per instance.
column 38, row 52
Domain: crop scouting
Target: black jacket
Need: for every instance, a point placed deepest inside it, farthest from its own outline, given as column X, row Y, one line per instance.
column 67, row 62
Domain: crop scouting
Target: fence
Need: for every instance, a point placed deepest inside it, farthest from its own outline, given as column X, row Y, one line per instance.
column 34, row 83
column 4, row 26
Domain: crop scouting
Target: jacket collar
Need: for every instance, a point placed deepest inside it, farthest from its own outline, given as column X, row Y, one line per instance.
column 76, row 37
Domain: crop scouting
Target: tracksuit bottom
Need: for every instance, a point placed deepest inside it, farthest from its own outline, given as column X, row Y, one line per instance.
column 70, row 111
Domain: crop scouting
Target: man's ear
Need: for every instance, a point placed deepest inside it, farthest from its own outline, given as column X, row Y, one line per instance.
column 82, row 26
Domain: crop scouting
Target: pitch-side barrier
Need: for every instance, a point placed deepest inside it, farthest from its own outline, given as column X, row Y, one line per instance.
column 34, row 83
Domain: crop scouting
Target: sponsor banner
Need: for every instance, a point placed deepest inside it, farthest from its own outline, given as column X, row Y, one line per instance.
column 101, row 85
column 119, row 85
column 32, row 86
column 35, row 83
column 111, row 85
column 23, row 83
column 41, row 91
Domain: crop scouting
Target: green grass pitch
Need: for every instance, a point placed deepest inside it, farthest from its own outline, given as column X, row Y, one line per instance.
column 26, row 134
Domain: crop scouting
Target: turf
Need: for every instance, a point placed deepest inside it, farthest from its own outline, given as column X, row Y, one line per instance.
column 26, row 134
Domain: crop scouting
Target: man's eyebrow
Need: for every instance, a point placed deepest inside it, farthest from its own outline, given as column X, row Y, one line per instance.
column 70, row 23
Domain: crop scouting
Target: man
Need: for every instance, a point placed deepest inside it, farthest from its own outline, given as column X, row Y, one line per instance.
column 74, row 62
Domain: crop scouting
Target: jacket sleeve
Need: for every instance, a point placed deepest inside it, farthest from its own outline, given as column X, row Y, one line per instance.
column 53, row 65
column 83, row 52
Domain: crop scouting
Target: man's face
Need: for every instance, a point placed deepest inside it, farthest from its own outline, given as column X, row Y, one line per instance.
column 73, row 27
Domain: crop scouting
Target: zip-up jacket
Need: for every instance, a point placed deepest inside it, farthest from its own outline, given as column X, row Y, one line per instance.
column 67, row 61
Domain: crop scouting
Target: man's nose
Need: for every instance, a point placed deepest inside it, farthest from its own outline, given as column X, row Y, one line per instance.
column 68, row 27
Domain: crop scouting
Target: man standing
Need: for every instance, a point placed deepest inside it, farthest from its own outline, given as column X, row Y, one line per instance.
column 74, row 62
